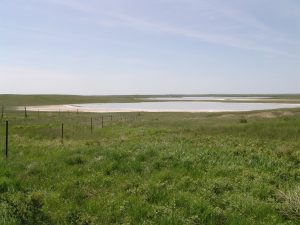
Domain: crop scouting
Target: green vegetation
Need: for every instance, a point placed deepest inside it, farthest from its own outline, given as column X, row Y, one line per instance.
column 153, row 168
column 23, row 100
column 33, row 100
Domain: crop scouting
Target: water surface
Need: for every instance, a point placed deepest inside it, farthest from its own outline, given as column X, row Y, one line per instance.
column 207, row 98
column 183, row 106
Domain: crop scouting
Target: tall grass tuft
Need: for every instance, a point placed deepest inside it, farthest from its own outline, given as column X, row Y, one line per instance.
column 290, row 204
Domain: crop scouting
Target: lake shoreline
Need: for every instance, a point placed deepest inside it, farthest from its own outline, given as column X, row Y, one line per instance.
column 184, row 106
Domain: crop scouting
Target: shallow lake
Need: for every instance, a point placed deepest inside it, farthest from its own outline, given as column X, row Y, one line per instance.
column 183, row 106
column 206, row 98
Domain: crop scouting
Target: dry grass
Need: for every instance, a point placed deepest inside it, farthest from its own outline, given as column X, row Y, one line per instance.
column 290, row 206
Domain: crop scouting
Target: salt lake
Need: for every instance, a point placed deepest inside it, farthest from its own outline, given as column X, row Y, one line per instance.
column 181, row 106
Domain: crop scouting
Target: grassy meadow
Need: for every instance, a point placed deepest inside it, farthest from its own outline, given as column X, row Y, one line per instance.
column 150, row 168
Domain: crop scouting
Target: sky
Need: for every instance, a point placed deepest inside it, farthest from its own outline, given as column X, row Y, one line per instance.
column 115, row 47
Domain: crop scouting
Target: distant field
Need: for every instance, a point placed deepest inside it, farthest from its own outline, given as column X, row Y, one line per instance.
column 23, row 100
column 33, row 100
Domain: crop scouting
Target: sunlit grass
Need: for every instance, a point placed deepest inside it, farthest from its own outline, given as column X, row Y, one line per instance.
column 157, row 168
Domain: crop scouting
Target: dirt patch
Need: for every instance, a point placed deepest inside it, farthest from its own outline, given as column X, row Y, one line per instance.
column 271, row 114
column 262, row 115
column 227, row 116
column 287, row 114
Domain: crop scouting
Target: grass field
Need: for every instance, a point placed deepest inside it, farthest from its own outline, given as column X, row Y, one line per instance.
column 152, row 168
column 23, row 100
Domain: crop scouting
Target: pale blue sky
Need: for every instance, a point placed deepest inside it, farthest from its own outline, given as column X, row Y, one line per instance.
column 149, row 47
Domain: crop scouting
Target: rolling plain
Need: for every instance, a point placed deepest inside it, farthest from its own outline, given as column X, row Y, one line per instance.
column 148, row 168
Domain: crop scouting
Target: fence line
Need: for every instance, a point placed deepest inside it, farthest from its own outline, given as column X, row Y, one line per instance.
column 101, row 121
column 62, row 133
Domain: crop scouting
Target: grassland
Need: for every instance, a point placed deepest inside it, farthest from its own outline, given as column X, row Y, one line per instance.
column 153, row 168
column 34, row 100
column 23, row 100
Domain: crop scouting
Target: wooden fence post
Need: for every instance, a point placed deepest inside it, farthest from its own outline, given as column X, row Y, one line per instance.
column 62, row 133
column 102, row 122
column 2, row 112
column 6, row 140
column 25, row 112
column 91, row 125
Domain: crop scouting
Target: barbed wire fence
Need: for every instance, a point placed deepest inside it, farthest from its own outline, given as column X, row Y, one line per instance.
column 57, row 124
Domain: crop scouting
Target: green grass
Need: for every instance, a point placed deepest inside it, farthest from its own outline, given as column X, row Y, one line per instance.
column 156, row 168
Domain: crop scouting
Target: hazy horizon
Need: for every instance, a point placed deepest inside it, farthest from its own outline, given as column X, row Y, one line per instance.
column 158, row 47
column 167, row 94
